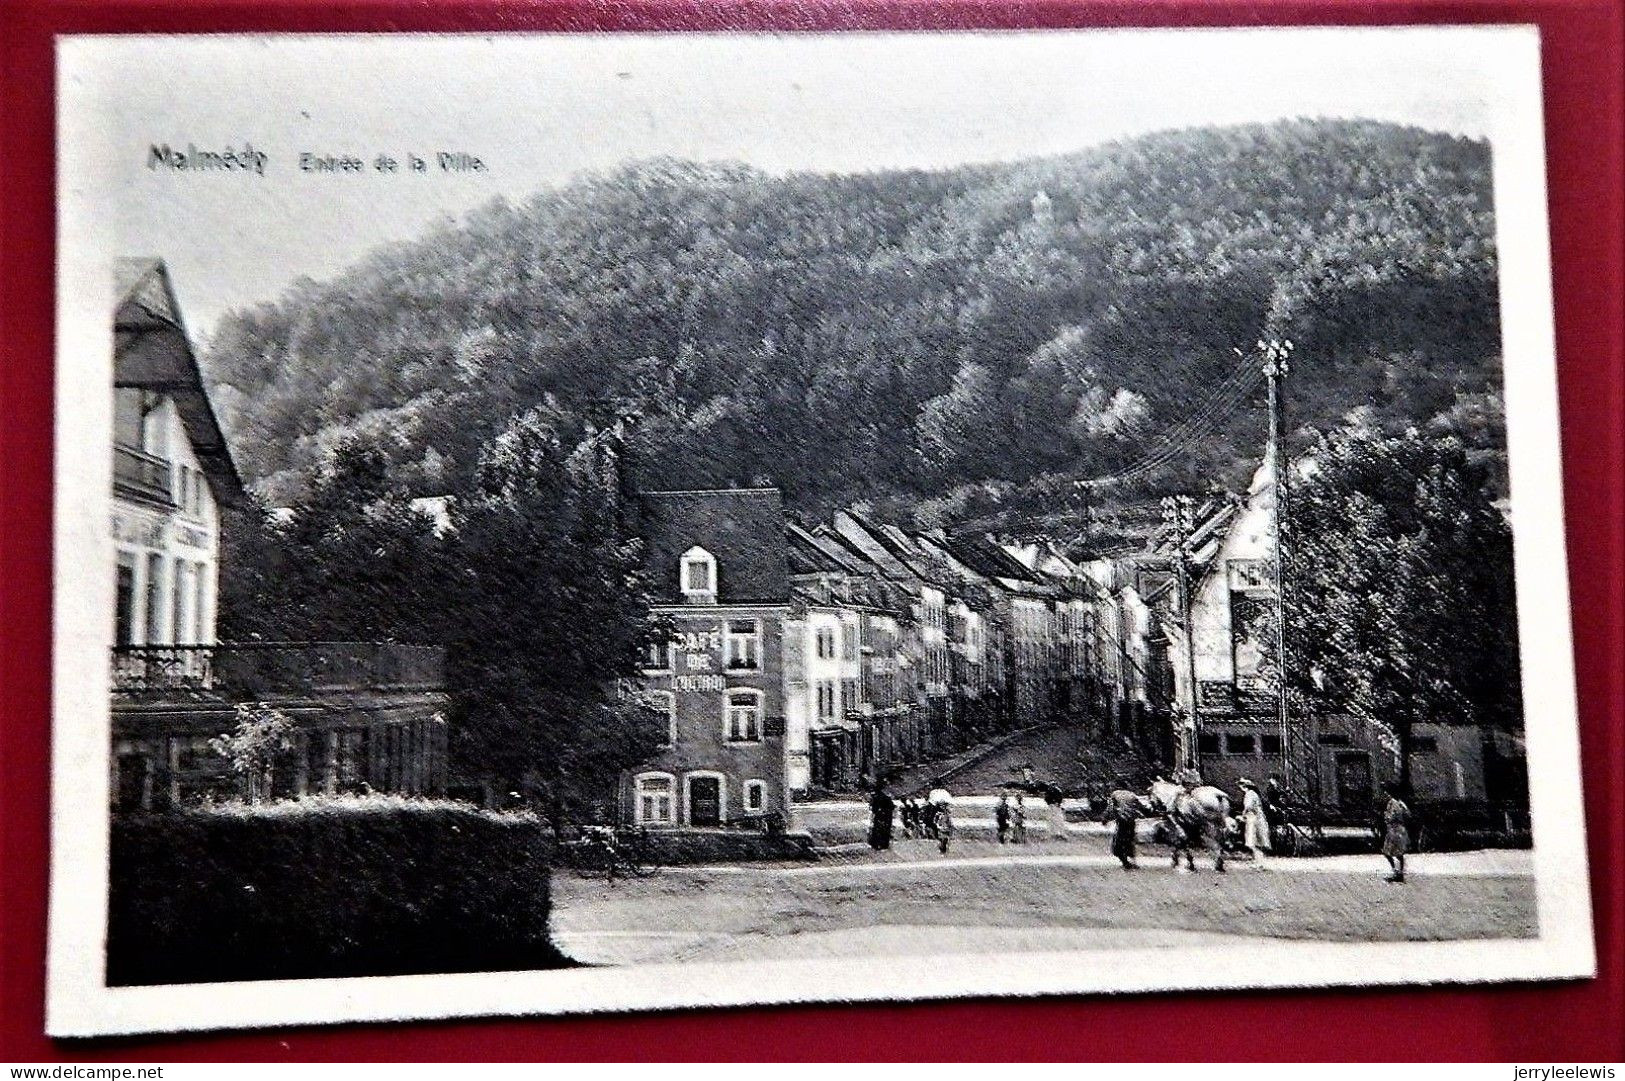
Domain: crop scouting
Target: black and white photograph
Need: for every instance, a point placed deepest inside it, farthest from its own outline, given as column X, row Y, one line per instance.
column 578, row 523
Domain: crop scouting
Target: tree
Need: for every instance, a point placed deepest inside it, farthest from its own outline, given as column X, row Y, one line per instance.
column 953, row 428
column 260, row 739
column 1400, row 604
column 997, row 321
column 349, row 560
column 550, row 619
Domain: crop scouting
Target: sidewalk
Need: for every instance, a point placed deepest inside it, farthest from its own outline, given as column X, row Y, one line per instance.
column 914, row 855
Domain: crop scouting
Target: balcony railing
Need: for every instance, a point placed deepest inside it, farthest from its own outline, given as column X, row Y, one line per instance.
column 262, row 670
column 146, row 476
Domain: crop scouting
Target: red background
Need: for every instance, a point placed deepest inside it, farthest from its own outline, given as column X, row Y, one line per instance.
column 1585, row 127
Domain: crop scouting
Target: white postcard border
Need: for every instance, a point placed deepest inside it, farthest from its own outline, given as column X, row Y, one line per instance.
column 78, row 1004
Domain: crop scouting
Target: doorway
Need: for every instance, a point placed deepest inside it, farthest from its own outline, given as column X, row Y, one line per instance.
column 1354, row 781
column 705, row 801
column 134, row 790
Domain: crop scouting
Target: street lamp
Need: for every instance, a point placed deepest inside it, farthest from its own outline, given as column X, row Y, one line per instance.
column 1275, row 353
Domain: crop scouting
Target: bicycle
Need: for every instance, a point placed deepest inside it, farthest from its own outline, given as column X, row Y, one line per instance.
column 607, row 851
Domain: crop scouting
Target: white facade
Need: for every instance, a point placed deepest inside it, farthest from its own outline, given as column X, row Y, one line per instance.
column 166, row 528
column 1242, row 567
column 817, row 683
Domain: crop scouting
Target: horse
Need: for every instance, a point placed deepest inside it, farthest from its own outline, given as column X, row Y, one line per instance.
column 1190, row 815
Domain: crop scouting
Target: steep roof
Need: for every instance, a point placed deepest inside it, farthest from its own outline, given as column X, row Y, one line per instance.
column 742, row 528
column 811, row 555
column 990, row 560
column 857, row 533
column 903, row 548
column 834, row 541
column 151, row 352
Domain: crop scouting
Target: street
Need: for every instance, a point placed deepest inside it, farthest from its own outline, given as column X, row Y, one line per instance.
column 984, row 897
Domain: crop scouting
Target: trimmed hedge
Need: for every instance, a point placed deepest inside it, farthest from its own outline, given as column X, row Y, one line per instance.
column 326, row 888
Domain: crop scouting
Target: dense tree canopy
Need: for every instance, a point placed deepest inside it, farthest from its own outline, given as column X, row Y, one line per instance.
column 551, row 614
column 535, row 591
column 956, row 343
column 1400, row 603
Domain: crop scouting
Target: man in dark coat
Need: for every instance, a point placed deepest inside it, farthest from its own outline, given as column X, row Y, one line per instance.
column 1275, row 801
column 881, row 806
column 1001, row 818
column 1123, row 809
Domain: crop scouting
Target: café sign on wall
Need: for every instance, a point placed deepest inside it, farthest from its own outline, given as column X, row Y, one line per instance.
column 699, row 661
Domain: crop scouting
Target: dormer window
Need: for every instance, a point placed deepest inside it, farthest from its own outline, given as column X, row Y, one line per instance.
column 698, row 576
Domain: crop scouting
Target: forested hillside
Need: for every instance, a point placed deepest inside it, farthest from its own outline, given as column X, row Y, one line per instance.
column 953, row 345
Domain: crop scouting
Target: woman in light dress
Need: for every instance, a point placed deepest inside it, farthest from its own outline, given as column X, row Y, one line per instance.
column 1255, row 827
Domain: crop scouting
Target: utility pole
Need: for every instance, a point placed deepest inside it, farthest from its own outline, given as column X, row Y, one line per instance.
column 1178, row 512
column 1275, row 353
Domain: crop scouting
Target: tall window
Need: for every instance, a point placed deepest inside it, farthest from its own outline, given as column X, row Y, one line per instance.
column 200, row 594
column 177, row 614
column 744, row 643
column 124, row 611
column 755, row 796
column 654, row 799
column 849, row 643
column 826, row 643
column 744, row 716
column 699, row 575
column 155, row 597
column 849, row 693
column 826, row 700
column 127, row 413
column 657, row 657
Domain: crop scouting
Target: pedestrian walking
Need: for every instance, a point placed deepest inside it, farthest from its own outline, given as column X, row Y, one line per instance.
column 911, row 818
column 1123, row 808
column 1057, row 815
column 1255, row 826
column 881, row 808
column 1396, row 838
column 1275, row 801
column 939, row 804
column 1018, row 820
column 1001, row 817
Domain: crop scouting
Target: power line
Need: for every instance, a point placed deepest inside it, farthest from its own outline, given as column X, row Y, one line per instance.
column 1179, row 439
column 1199, row 428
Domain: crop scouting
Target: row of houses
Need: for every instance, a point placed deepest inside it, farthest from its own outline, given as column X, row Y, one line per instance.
column 801, row 659
column 806, row 659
